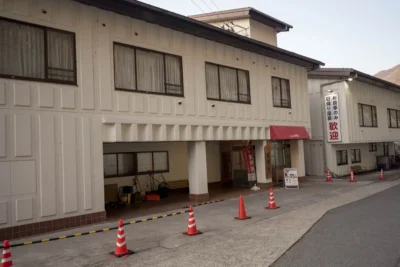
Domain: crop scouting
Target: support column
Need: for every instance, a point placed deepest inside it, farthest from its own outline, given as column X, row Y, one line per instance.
column 197, row 161
column 262, row 180
column 297, row 158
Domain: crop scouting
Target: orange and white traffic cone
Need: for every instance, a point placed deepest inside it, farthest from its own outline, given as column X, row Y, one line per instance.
column 121, row 249
column 6, row 260
column 382, row 175
column 192, row 229
column 271, row 205
column 352, row 180
column 328, row 176
column 242, row 211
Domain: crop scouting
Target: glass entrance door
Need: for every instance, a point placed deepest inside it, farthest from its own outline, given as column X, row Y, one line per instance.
column 280, row 159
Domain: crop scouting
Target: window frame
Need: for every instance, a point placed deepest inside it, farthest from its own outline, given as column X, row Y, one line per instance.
column 342, row 163
column 46, row 63
column 136, row 71
column 373, row 147
column 135, row 163
column 152, row 161
column 123, row 175
column 353, row 153
column 372, row 116
column 280, row 91
column 397, row 112
column 237, row 82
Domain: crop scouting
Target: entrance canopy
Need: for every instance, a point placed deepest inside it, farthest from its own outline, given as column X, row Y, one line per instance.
column 288, row 133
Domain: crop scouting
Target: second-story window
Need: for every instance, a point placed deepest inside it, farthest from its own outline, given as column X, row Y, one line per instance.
column 393, row 118
column 32, row 52
column 142, row 70
column 367, row 115
column 281, row 92
column 227, row 84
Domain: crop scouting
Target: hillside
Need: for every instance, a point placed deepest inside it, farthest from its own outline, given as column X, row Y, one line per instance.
column 391, row 75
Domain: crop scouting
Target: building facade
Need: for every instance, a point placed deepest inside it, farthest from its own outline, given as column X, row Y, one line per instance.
column 94, row 93
column 355, row 120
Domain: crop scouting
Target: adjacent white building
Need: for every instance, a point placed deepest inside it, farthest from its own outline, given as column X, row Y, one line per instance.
column 93, row 93
column 355, row 120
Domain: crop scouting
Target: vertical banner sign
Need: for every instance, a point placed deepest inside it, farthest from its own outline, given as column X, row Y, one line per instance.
column 249, row 162
column 332, row 118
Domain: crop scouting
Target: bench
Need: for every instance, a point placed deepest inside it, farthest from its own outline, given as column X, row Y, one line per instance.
column 358, row 169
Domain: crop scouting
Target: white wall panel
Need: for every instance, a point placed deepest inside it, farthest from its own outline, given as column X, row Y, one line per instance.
column 3, row 134
column 2, row 93
column 46, row 96
column 22, row 133
column 47, row 164
column 123, row 102
column 4, row 212
column 68, row 164
column 86, row 126
column 24, row 209
column 22, row 94
column 86, row 25
column 5, row 179
column 68, row 98
column 23, row 175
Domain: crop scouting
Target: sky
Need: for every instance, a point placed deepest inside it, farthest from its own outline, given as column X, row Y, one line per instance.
column 358, row 34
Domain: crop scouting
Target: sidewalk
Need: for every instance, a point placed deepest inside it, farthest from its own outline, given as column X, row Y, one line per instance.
column 255, row 242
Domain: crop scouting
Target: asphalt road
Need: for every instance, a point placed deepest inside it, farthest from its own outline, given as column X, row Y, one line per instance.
column 364, row 233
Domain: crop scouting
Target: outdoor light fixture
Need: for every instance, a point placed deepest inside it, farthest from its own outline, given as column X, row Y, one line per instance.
column 330, row 91
column 350, row 79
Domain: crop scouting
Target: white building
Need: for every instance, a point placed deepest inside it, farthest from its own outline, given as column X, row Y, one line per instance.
column 93, row 93
column 359, row 130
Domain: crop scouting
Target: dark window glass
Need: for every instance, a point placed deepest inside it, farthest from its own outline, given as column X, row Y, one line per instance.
column 227, row 84
column 281, row 92
column 37, row 53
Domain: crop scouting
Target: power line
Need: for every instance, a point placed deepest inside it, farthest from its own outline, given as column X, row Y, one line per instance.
column 215, row 4
column 207, row 5
column 198, row 6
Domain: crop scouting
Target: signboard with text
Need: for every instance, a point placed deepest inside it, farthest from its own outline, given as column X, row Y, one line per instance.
column 291, row 178
column 332, row 118
column 249, row 162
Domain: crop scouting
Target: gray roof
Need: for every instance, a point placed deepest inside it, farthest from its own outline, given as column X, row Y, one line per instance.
column 344, row 73
column 162, row 17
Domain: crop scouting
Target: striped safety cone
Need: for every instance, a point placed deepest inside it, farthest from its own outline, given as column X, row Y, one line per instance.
column 6, row 260
column 271, row 205
column 352, row 180
column 121, row 249
column 328, row 176
column 382, row 175
column 192, row 229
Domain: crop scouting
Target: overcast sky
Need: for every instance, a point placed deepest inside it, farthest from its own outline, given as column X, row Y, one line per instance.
column 359, row 34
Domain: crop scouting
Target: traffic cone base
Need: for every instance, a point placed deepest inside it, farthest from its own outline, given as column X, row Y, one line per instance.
column 192, row 228
column 126, row 254
column 242, row 211
column 121, row 249
column 269, row 208
column 192, row 234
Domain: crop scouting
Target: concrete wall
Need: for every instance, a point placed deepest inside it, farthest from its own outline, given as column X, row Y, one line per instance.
column 359, row 92
column 368, row 159
column 350, row 94
column 263, row 33
column 51, row 135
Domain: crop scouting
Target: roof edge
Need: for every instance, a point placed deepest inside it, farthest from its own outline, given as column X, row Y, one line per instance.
column 151, row 14
column 340, row 73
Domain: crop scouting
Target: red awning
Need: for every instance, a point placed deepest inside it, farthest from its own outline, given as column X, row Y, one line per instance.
column 288, row 133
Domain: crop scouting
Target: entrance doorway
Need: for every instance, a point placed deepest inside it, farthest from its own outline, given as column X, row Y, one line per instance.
column 280, row 159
